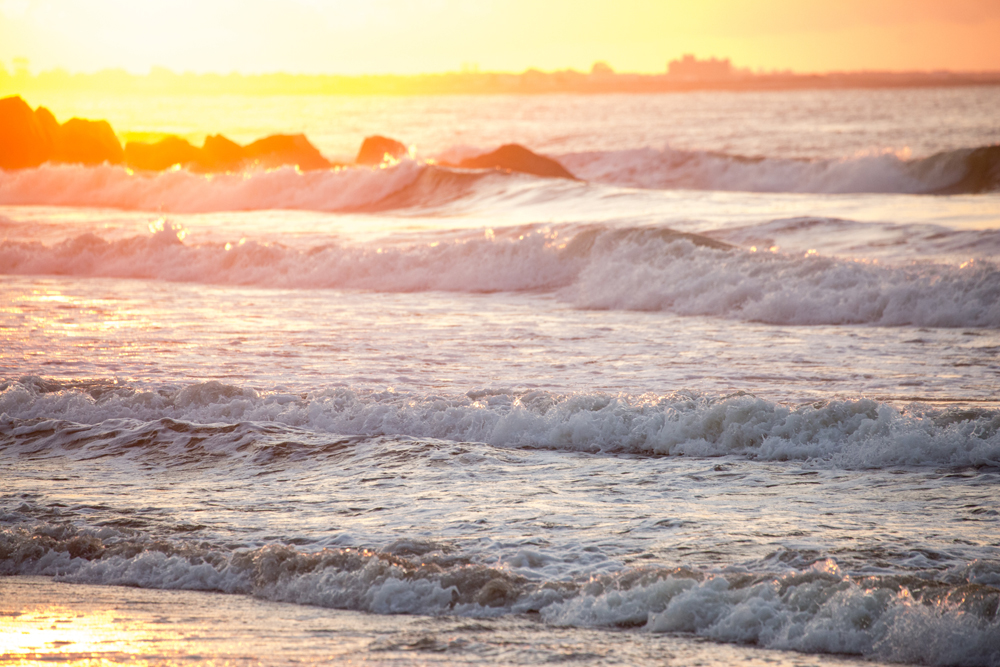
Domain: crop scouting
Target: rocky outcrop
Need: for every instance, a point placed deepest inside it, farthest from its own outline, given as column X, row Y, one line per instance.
column 29, row 138
column 88, row 142
column 514, row 157
column 50, row 128
column 221, row 154
column 375, row 150
column 286, row 149
column 161, row 155
column 25, row 139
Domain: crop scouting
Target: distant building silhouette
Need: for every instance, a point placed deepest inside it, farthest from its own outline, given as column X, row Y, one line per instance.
column 601, row 68
column 690, row 68
column 686, row 73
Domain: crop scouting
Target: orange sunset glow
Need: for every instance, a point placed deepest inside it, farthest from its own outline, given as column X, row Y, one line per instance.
column 399, row 37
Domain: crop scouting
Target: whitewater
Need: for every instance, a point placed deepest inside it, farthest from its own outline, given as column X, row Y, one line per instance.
column 732, row 396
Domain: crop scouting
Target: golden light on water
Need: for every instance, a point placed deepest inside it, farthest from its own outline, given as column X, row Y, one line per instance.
column 46, row 622
column 67, row 635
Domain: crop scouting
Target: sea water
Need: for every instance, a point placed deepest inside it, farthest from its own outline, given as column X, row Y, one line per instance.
column 733, row 396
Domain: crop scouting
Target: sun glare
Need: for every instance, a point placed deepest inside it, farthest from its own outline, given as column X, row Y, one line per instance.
column 303, row 36
column 68, row 636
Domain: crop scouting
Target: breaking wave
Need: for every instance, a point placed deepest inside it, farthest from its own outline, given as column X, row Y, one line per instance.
column 43, row 418
column 930, row 617
column 412, row 184
column 963, row 171
column 596, row 267
column 181, row 191
column 787, row 600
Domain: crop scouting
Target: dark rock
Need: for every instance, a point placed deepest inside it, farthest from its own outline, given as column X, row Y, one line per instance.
column 221, row 154
column 514, row 157
column 27, row 139
column 286, row 149
column 24, row 141
column 88, row 142
column 50, row 128
column 374, row 150
column 161, row 155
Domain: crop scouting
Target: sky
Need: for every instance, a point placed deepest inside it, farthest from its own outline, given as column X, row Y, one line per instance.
column 426, row 36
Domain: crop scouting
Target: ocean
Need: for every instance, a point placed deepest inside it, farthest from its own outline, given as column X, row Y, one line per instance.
column 731, row 397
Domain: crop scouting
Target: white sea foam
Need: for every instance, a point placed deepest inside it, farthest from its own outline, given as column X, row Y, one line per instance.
column 815, row 609
column 640, row 269
column 183, row 191
column 783, row 289
column 841, row 434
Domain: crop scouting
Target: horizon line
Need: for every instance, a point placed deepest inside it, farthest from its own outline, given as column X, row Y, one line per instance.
column 688, row 74
column 467, row 69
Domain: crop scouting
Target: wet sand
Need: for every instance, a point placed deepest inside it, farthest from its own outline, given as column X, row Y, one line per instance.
column 46, row 622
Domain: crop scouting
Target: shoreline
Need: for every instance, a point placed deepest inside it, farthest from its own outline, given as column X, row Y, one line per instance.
column 45, row 621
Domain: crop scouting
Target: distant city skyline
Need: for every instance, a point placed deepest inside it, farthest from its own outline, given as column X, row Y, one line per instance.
column 683, row 74
column 433, row 36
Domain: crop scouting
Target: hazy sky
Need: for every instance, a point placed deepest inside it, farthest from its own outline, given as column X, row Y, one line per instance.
column 412, row 36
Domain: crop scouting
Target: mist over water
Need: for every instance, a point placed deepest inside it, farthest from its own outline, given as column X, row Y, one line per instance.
column 740, row 383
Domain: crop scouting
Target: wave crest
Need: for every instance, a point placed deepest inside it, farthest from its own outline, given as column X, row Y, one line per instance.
column 182, row 191
column 654, row 269
column 812, row 609
column 962, row 171
column 413, row 184
column 860, row 433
